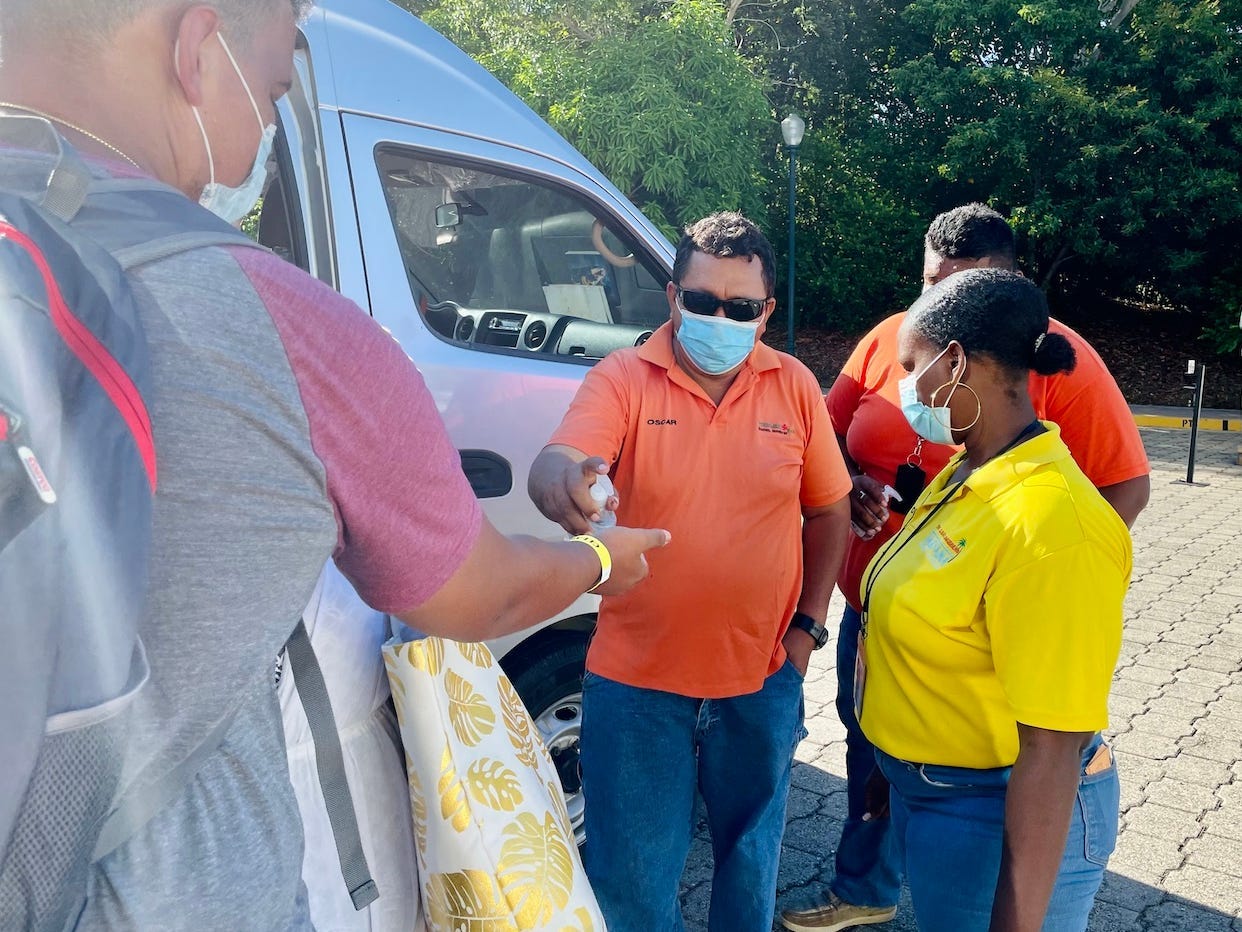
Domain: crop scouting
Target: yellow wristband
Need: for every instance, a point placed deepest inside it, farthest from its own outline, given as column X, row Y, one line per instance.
column 605, row 558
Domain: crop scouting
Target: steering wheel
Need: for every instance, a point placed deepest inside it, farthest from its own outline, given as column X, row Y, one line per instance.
column 597, row 240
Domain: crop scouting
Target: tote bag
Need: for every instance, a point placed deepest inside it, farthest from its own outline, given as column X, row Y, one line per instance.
column 492, row 835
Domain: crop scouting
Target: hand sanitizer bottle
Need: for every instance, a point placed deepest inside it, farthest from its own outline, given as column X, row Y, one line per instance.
column 601, row 491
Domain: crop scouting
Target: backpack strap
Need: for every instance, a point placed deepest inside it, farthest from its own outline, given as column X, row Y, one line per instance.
column 165, row 247
column 140, row 221
column 66, row 190
column 137, row 809
column 57, row 179
column 330, row 763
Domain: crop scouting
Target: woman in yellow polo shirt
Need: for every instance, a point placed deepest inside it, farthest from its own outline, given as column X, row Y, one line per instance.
column 991, row 626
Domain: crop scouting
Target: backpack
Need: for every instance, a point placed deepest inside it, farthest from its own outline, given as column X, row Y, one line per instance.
column 78, row 472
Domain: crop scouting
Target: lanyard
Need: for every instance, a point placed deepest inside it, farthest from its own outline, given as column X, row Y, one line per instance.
column 890, row 552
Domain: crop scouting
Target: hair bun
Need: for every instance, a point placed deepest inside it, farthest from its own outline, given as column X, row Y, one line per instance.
column 1052, row 353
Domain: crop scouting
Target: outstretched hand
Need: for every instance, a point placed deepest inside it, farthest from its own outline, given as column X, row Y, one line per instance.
column 628, row 546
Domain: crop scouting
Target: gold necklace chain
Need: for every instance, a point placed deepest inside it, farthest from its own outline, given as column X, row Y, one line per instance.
column 77, row 129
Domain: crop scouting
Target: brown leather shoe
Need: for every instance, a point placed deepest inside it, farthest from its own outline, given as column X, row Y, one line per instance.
column 833, row 915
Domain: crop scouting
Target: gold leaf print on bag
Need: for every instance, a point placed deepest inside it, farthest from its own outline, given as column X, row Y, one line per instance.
column 536, row 870
column 426, row 655
column 469, row 712
column 467, row 901
column 394, row 681
column 477, row 654
column 418, row 805
column 415, row 655
column 454, row 807
column 517, row 723
column 584, row 924
column 433, row 648
column 557, row 794
column 494, row 785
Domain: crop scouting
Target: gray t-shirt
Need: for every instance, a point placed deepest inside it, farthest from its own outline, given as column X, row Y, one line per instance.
column 289, row 428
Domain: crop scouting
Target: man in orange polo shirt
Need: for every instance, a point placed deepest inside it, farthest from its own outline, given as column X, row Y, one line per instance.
column 882, row 449
column 696, row 681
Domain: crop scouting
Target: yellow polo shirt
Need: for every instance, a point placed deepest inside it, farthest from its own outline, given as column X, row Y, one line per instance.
column 1004, row 607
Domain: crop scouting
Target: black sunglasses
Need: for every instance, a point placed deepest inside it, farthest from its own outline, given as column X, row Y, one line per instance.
column 705, row 303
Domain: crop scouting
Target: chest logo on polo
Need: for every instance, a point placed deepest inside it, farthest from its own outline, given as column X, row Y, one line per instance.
column 661, row 422
column 769, row 427
column 940, row 548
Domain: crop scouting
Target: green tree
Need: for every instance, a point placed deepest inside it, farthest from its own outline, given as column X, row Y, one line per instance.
column 857, row 242
column 1113, row 144
column 656, row 95
column 860, row 210
column 1110, row 134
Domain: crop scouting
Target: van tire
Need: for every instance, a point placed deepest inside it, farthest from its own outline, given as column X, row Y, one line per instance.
column 547, row 674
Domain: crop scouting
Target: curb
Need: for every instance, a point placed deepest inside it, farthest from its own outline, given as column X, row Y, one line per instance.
column 1233, row 423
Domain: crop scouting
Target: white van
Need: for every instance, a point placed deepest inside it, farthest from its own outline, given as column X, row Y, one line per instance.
column 416, row 184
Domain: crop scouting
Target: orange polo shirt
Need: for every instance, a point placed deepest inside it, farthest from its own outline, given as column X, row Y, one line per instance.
column 730, row 483
column 1095, row 421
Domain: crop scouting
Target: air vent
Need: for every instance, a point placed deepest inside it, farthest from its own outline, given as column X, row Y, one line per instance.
column 643, row 338
column 464, row 329
column 535, row 334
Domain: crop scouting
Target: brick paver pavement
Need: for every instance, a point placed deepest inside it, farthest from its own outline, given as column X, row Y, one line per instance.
column 1176, row 713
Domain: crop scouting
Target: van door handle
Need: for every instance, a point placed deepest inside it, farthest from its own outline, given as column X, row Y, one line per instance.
column 488, row 473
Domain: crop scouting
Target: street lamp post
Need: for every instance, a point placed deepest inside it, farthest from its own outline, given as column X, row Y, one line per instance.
column 792, row 129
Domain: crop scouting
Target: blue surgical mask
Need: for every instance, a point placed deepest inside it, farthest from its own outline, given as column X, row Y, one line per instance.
column 232, row 204
column 932, row 424
column 716, row 345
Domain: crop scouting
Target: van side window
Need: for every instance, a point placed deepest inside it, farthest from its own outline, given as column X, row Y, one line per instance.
column 516, row 264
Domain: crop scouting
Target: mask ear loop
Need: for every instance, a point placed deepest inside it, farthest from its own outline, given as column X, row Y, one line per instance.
column 246, row 84
column 211, row 162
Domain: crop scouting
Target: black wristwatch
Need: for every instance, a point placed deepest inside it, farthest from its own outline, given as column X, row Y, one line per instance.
column 804, row 622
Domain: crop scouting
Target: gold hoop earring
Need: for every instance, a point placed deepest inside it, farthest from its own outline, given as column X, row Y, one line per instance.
column 974, row 394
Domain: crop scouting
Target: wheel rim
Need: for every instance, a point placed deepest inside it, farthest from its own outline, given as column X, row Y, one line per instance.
column 560, row 727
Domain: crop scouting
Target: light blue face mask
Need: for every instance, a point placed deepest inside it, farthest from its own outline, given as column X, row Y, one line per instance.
column 229, row 203
column 716, row 345
column 932, row 424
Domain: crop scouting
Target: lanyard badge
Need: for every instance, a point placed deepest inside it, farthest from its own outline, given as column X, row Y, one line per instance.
column 910, row 481
column 860, row 673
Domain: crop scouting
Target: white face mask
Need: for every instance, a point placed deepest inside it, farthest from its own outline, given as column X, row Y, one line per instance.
column 232, row 204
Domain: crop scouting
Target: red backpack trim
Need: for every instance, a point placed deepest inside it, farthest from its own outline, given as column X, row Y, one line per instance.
column 114, row 380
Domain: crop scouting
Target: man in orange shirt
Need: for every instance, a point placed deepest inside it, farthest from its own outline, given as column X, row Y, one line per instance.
column 697, row 681
column 882, row 449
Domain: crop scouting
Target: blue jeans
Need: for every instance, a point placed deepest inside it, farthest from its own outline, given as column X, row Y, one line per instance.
column 952, row 820
column 868, row 862
column 644, row 753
